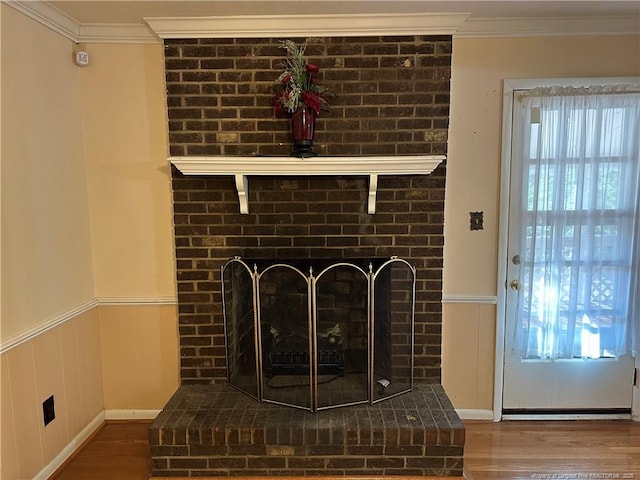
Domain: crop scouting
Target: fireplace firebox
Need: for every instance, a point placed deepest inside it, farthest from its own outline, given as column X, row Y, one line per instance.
column 319, row 334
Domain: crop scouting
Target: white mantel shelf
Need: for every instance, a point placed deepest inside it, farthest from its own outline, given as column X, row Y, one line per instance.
column 242, row 167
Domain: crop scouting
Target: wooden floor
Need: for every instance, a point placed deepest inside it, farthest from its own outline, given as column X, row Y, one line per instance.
column 549, row 450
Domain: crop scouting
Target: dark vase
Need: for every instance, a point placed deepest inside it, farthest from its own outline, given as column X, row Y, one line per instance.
column 303, row 124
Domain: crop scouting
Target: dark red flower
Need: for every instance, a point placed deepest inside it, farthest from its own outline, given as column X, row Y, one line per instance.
column 312, row 100
column 298, row 86
column 277, row 105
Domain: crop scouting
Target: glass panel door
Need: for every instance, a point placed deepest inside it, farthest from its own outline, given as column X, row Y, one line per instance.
column 572, row 250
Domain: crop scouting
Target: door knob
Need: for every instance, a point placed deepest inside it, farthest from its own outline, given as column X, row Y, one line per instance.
column 515, row 285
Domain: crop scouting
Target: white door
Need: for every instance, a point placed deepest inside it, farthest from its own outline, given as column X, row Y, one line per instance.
column 572, row 250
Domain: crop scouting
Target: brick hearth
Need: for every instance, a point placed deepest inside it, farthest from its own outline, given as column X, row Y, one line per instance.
column 213, row 430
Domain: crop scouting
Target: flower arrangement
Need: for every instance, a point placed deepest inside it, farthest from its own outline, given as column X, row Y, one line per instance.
column 298, row 84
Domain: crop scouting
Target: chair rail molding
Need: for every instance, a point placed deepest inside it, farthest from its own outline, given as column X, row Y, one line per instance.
column 465, row 298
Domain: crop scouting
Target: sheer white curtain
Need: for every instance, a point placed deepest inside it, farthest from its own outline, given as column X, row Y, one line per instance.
column 580, row 252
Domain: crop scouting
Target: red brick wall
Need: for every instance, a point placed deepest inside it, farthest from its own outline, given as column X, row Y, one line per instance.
column 392, row 97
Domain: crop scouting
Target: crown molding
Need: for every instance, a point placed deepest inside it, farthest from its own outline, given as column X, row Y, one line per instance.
column 49, row 16
column 256, row 26
column 546, row 27
column 116, row 33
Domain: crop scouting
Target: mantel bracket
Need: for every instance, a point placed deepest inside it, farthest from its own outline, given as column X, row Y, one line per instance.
column 242, row 186
column 373, row 190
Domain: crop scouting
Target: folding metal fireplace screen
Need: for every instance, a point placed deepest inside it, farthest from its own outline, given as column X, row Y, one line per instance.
column 317, row 334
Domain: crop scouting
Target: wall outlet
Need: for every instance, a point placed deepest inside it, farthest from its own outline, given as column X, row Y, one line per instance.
column 48, row 410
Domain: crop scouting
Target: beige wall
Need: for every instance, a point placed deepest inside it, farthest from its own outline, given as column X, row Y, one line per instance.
column 124, row 111
column 47, row 266
column 86, row 221
column 473, row 169
column 139, row 355
column 131, row 221
column 473, row 181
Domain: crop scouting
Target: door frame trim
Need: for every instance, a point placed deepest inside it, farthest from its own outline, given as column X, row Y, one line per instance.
column 509, row 86
column 503, row 233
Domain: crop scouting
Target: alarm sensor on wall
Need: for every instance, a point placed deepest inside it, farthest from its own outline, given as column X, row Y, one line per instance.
column 80, row 56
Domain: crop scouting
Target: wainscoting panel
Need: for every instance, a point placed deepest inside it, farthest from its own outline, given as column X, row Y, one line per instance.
column 468, row 354
column 63, row 361
column 139, row 354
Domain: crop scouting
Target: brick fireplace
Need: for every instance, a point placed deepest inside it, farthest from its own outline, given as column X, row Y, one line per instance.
column 391, row 98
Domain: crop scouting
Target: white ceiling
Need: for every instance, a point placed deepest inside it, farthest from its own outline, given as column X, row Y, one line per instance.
column 133, row 12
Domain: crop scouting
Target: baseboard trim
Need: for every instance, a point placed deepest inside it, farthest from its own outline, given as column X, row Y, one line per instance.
column 561, row 416
column 474, row 414
column 68, row 451
column 116, row 414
